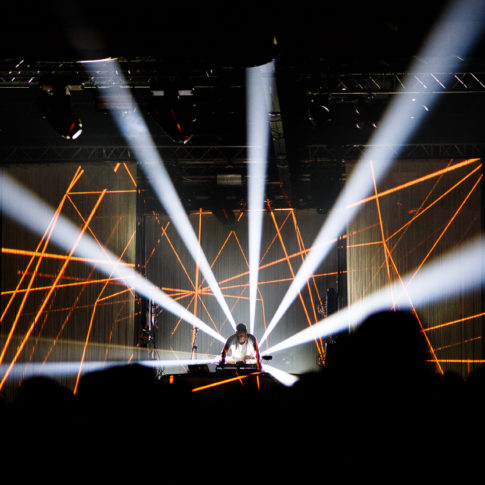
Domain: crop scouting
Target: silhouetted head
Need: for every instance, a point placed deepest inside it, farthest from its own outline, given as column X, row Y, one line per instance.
column 395, row 340
column 387, row 342
column 41, row 395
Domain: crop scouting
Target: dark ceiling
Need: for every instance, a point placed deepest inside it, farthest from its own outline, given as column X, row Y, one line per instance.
column 217, row 31
column 317, row 48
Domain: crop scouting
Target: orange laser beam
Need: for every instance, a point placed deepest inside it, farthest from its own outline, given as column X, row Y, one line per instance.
column 196, row 299
column 126, row 290
column 289, row 264
column 274, row 238
column 415, row 181
column 242, row 251
column 319, row 342
column 445, row 229
column 208, row 313
column 23, row 252
column 461, row 361
column 103, row 249
column 164, row 232
column 78, row 297
column 97, row 192
column 129, row 173
column 222, row 248
column 428, row 342
column 225, row 381
column 456, row 344
column 360, row 245
column 98, row 300
column 273, row 263
column 301, row 245
column 155, row 247
column 33, row 276
column 453, row 322
column 67, row 285
column 46, row 299
column 421, row 212
column 384, row 245
column 180, row 319
column 49, row 229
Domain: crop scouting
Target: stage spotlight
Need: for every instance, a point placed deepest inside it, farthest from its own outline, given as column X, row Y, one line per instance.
column 174, row 110
column 366, row 115
column 319, row 110
column 417, row 106
column 55, row 106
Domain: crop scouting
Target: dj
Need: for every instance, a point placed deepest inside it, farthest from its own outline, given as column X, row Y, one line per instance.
column 241, row 348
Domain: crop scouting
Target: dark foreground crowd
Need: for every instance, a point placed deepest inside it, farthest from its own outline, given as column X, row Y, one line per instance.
column 378, row 400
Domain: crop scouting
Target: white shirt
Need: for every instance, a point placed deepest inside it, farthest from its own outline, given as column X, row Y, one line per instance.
column 237, row 352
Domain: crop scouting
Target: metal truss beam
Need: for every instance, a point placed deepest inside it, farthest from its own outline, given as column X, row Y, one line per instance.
column 415, row 151
column 394, row 83
column 200, row 156
column 138, row 73
column 119, row 153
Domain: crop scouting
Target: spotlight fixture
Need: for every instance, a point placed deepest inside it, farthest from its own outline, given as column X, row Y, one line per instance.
column 55, row 106
column 417, row 106
column 366, row 115
column 174, row 110
column 319, row 110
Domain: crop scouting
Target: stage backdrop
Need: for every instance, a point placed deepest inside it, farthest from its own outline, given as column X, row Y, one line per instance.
column 88, row 317
column 55, row 310
column 427, row 208
column 287, row 236
column 58, row 311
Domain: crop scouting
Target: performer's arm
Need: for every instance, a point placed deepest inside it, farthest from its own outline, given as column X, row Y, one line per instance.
column 258, row 358
column 254, row 355
column 224, row 350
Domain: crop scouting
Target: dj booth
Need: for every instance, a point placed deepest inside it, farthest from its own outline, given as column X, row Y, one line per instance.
column 240, row 368
column 224, row 377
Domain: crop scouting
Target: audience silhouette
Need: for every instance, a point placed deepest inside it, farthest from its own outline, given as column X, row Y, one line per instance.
column 378, row 392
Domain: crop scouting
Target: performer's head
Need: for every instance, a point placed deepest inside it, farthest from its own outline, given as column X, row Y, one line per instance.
column 242, row 333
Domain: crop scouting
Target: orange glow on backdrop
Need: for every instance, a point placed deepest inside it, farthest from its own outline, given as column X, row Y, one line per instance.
column 196, row 293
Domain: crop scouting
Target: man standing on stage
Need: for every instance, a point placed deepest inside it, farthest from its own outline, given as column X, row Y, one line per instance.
column 241, row 348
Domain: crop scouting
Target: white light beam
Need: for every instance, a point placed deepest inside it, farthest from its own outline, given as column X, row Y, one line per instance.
column 259, row 91
column 26, row 370
column 458, row 272
column 280, row 375
column 134, row 129
column 460, row 26
column 29, row 210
